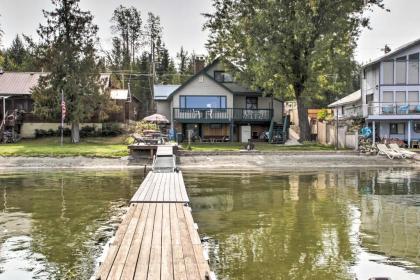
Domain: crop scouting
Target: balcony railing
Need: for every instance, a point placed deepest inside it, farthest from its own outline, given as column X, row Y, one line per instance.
column 388, row 108
column 222, row 115
column 353, row 112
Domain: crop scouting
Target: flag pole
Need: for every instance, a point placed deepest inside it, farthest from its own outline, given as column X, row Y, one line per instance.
column 62, row 117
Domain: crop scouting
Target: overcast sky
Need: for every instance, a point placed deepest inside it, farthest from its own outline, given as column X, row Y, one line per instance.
column 182, row 22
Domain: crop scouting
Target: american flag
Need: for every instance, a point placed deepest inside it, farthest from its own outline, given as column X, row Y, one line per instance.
column 63, row 107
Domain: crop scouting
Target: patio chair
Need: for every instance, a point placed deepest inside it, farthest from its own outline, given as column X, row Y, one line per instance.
column 138, row 139
column 391, row 154
column 387, row 109
column 402, row 110
column 398, row 149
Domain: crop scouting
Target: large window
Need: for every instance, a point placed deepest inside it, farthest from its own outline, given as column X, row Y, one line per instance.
column 416, row 127
column 396, row 128
column 400, row 97
column 193, row 101
column 413, row 69
column 401, row 71
column 413, row 97
column 388, row 75
column 388, row 97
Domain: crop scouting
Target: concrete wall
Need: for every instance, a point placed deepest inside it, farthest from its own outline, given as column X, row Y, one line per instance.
column 28, row 129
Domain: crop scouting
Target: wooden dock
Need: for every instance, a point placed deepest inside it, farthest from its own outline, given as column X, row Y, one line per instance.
column 157, row 238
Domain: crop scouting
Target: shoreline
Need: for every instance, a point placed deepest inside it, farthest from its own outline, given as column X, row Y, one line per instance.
column 227, row 161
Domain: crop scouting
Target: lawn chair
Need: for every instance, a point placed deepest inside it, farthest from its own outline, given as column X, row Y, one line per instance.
column 391, row 154
column 138, row 139
column 398, row 149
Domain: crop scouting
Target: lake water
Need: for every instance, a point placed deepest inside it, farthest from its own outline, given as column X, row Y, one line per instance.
column 337, row 224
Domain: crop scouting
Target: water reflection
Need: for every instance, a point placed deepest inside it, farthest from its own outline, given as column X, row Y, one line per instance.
column 313, row 225
column 54, row 225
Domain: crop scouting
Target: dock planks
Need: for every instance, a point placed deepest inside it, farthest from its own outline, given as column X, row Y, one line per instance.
column 156, row 241
column 161, row 187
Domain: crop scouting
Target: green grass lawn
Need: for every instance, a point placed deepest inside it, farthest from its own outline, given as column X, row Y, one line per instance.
column 208, row 147
column 110, row 147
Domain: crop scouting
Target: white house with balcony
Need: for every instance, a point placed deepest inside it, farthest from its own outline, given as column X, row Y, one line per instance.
column 390, row 91
column 215, row 108
column 348, row 107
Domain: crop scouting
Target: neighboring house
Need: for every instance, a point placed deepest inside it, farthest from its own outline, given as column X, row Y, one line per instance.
column 129, row 106
column 15, row 88
column 348, row 107
column 390, row 93
column 16, row 92
column 216, row 108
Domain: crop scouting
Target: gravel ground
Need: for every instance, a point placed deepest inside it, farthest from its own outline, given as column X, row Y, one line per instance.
column 251, row 161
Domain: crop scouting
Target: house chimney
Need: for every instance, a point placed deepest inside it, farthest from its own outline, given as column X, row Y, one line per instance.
column 199, row 61
column 386, row 49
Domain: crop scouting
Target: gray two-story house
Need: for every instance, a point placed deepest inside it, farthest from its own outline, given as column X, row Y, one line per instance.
column 390, row 90
column 213, row 107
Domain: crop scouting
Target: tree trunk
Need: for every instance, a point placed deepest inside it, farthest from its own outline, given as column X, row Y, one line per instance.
column 75, row 135
column 304, row 128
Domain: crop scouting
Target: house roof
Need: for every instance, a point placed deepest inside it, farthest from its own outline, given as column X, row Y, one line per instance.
column 18, row 83
column 394, row 52
column 233, row 88
column 21, row 83
column 349, row 99
column 162, row 92
column 119, row 94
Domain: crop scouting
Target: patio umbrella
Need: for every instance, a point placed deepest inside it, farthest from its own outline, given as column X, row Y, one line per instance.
column 157, row 118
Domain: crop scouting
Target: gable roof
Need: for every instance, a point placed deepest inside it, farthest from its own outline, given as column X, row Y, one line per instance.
column 394, row 52
column 162, row 92
column 18, row 83
column 21, row 83
column 233, row 87
column 349, row 99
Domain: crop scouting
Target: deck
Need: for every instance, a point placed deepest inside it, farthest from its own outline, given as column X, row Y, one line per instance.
column 157, row 239
column 162, row 187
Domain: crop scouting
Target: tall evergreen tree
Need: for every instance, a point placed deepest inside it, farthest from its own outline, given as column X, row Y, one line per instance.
column 287, row 47
column 16, row 56
column 68, row 41
column 127, row 23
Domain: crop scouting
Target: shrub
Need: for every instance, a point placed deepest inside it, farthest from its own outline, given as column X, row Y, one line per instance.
column 111, row 129
column 89, row 131
column 324, row 114
column 139, row 127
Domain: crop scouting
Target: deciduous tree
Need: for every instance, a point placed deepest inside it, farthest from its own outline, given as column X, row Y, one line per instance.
column 287, row 47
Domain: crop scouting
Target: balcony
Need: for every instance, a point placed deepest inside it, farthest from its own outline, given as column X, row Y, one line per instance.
column 207, row 115
column 353, row 112
column 388, row 108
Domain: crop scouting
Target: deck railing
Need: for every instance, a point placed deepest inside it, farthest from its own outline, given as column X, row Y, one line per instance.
column 391, row 108
column 221, row 115
column 356, row 111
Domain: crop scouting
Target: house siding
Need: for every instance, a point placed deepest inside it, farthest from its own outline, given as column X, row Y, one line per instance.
column 203, row 85
column 163, row 108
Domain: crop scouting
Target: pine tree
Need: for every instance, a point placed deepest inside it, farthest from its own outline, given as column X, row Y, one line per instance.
column 16, row 56
column 68, row 41
column 127, row 23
